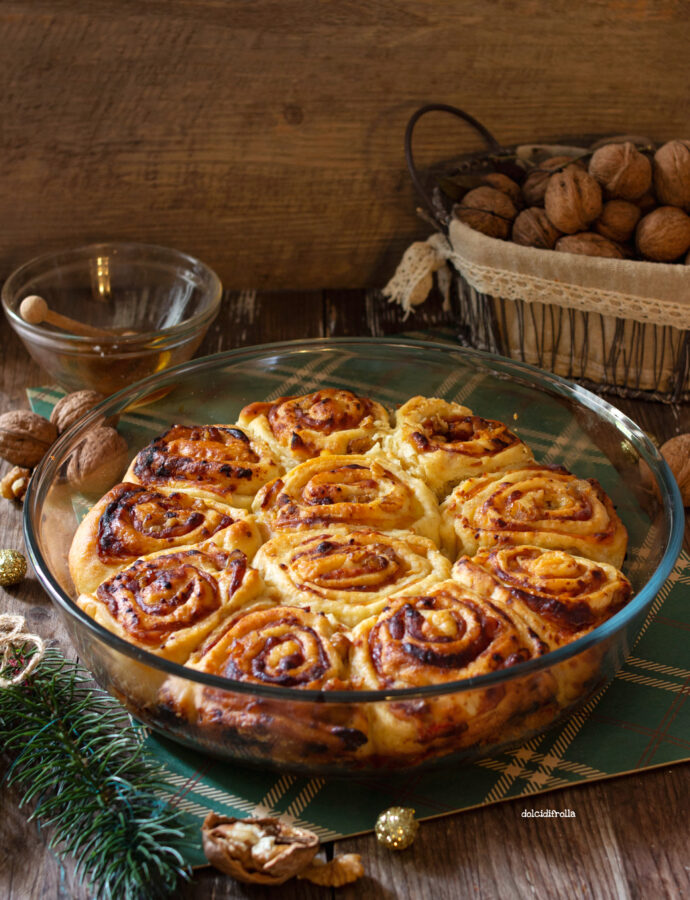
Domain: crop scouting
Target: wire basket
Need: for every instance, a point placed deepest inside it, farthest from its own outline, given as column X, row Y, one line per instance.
column 619, row 354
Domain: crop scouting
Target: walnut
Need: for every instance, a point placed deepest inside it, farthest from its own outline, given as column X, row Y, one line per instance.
column 14, row 484
column 672, row 174
column 532, row 228
column 676, row 452
column 618, row 220
column 259, row 850
column 572, row 200
column 647, row 202
column 72, row 407
column 25, row 437
column 487, row 210
column 534, row 186
column 502, row 183
column 97, row 461
column 664, row 234
column 343, row 869
column 586, row 243
column 621, row 170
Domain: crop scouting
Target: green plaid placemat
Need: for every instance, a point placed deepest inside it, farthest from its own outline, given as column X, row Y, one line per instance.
column 641, row 720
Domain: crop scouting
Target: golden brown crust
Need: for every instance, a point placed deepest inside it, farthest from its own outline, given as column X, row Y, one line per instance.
column 545, row 506
column 349, row 573
column 348, row 490
column 329, row 420
column 132, row 521
column 218, row 461
column 444, row 443
column 445, row 635
column 168, row 603
column 280, row 646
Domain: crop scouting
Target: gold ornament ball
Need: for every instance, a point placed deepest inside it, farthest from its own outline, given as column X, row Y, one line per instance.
column 12, row 567
column 396, row 828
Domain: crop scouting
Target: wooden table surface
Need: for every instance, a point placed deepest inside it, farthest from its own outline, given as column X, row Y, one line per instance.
column 629, row 836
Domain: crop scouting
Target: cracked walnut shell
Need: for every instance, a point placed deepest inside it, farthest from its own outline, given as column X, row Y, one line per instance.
column 672, row 174
column 572, row 200
column 25, row 437
column 664, row 234
column 258, row 850
column 487, row 210
column 623, row 172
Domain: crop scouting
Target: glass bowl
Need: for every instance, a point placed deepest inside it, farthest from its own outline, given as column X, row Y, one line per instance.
column 292, row 728
column 166, row 299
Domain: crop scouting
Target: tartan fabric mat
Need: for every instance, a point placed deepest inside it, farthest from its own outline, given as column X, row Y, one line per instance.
column 641, row 720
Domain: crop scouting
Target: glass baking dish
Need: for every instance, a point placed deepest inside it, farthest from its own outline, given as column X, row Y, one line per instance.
column 321, row 732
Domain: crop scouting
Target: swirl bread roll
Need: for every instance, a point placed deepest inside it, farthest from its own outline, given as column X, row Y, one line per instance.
column 444, row 635
column 560, row 596
column 220, row 462
column 348, row 573
column 348, row 490
column 443, row 443
column 329, row 420
column 544, row 506
column 132, row 521
column 286, row 647
column 168, row 603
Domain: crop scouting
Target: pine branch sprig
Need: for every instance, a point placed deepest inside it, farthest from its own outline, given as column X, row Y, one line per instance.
column 81, row 763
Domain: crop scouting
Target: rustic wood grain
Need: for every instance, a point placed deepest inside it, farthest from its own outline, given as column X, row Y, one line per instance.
column 276, row 128
column 629, row 837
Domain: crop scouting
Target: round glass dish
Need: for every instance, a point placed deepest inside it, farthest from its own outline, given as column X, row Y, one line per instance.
column 321, row 732
column 158, row 303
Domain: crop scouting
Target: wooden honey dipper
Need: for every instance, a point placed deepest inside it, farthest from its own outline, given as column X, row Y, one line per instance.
column 35, row 310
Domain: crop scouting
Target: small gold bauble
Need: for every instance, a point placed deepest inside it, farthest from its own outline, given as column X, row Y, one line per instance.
column 12, row 567
column 396, row 828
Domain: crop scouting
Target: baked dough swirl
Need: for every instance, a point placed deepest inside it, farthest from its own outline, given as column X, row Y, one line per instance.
column 444, row 443
column 348, row 490
column 349, row 573
column 329, row 420
column 168, row 603
column 220, row 461
column 545, row 506
column 132, row 521
column 560, row 596
column 444, row 635
column 283, row 646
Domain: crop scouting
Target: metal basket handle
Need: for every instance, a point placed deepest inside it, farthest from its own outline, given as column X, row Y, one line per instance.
column 491, row 143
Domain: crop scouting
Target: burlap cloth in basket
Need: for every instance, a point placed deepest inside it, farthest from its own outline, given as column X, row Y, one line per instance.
column 623, row 295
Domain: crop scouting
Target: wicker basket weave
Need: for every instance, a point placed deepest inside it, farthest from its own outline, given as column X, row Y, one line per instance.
column 624, row 343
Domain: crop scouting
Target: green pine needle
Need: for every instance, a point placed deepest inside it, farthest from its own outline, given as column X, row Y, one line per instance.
column 80, row 762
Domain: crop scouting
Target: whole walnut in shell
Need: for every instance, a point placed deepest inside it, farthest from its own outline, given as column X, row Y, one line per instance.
column 588, row 244
column 623, row 172
column 572, row 200
column 618, row 220
column 487, row 210
column 502, row 183
column 532, row 228
column 70, row 408
column 664, row 234
column 647, row 202
column 676, row 452
column 25, row 437
column 672, row 174
column 97, row 461
column 534, row 186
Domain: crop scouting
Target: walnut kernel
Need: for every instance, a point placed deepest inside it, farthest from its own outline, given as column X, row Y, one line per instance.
column 343, row 869
column 14, row 484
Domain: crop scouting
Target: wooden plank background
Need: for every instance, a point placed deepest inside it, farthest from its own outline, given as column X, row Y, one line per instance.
column 266, row 137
